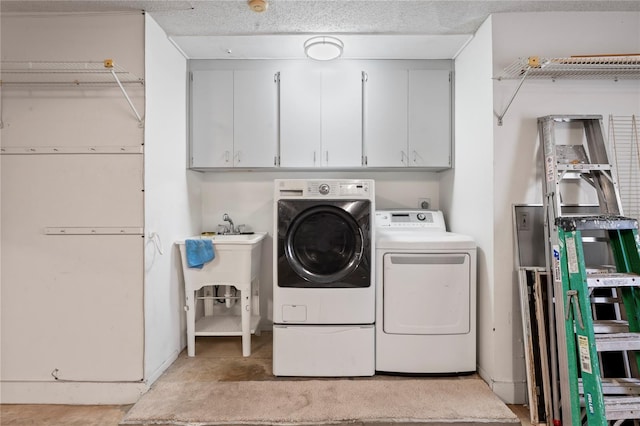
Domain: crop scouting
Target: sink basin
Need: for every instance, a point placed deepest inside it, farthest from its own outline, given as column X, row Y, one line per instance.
column 254, row 238
column 237, row 260
column 238, row 239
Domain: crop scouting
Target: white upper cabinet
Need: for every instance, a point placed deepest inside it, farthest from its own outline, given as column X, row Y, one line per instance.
column 300, row 111
column 321, row 118
column 385, row 118
column 244, row 114
column 429, row 119
column 212, row 119
column 234, row 119
column 408, row 118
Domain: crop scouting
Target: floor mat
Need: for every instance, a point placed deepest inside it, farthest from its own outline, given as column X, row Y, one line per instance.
column 286, row 402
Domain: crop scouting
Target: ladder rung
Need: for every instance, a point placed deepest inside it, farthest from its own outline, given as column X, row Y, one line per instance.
column 618, row 342
column 613, row 280
column 622, row 407
column 617, row 386
column 604, row 300
column 605, row 222
column 610, row 326
column 579, row 167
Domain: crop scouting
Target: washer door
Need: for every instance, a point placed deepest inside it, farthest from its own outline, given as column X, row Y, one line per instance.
column 324, row 244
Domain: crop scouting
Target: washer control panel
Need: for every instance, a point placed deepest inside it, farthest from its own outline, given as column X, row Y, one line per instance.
column 337, row 188
column 399, row 219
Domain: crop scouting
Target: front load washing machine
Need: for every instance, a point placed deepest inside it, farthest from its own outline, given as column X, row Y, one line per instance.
column 425, row 295
column 324, row 288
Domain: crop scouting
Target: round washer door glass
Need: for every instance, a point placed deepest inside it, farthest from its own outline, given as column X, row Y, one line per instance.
column 324, row 244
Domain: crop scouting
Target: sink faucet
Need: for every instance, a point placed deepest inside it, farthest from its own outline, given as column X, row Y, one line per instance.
column 232, row 228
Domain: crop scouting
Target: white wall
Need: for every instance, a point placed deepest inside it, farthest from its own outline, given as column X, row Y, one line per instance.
column 248, row 198
column 514, row 162
column 172, row 199
column 72, row 318
column 466, row 191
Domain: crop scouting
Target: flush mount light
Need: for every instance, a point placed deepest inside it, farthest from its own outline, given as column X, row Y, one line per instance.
column 323, row 48
column 258, row 5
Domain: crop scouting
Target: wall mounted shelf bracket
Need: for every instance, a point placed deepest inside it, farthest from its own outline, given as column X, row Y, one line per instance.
column 612, row 67
column 56, row 74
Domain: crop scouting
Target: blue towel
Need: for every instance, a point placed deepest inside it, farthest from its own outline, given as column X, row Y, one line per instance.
column 199, row 252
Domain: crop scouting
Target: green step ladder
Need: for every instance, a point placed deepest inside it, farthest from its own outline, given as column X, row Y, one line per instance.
column 604, row 399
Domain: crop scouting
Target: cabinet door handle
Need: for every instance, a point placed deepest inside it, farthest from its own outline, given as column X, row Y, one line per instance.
column 238, row 156
column 226, row 156
column 402, row 155
column 314, row 158
column 275, row 160
column 326, row 156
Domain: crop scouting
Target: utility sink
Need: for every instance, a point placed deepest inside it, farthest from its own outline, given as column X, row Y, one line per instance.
column 236, row 263
column 253, row 238
column 237, row 259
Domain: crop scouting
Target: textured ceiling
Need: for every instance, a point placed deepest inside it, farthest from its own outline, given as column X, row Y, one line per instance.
column 233, row 17
column 196, row 26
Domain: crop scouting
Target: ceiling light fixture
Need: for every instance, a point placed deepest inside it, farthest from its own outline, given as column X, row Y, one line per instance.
column 323, row 48
column 258, row 5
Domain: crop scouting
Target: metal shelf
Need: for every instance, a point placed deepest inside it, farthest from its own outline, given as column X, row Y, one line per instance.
column 61, row 74
column 581, row 67
column 572, row 68
column 14, row 73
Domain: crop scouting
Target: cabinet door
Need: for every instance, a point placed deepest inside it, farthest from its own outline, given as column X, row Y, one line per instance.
column 429, row 118
column 255, row 125
column 342, row 118
column 212, row 119
column 300, row 111
column 385, row 118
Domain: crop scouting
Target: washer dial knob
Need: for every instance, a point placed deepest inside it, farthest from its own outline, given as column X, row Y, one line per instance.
column 324, row 188
column 421, row 216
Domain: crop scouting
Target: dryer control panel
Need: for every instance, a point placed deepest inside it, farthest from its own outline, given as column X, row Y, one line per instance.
column 432, row 220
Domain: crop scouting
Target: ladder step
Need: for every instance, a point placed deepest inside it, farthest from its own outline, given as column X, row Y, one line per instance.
column 610, row 326
column 580, row 167
column 617, row 386
column 618, row 342
column 622, row 407
column 604, row 300
column 617, row 279
column 604, row 222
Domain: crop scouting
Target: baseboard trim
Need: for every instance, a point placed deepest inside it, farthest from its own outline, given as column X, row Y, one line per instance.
column 73, row 393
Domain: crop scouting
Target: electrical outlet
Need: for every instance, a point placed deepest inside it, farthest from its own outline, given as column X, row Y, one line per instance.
column 523, row 221
column 424, row 203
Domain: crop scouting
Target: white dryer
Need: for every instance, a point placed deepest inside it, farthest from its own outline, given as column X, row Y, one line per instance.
column 425, row 295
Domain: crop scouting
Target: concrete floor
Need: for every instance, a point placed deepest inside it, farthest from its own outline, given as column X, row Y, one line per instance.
column 217, row 359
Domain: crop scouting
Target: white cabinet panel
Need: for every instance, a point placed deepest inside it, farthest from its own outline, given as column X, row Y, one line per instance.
column 255, row 120
column 408, row 118
column 342, row 118
column 429, row 118
column 72, row 305
column 321, row 118
column 234, row 121
column 385, row 121
column 300, row 118
column 212, row 119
